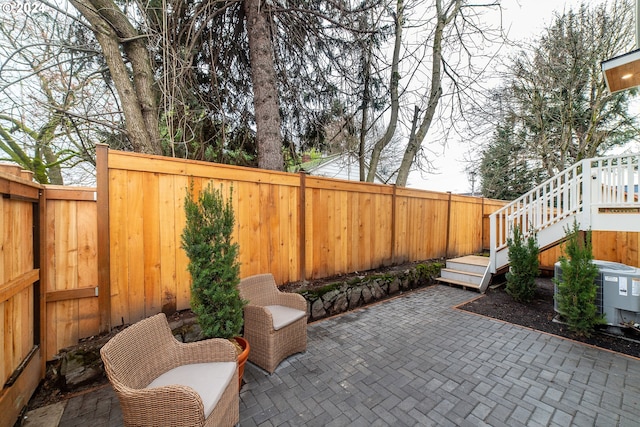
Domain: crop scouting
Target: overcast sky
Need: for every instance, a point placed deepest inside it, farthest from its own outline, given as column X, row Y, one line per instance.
column 524, row 19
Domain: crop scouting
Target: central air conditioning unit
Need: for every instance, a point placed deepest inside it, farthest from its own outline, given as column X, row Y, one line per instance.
column 618, row 294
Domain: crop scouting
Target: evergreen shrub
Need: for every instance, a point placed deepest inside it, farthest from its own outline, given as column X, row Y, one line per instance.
column 213, row 264
column 523, row 269
column 577, row 289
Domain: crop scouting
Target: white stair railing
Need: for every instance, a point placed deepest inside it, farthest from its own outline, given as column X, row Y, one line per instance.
column 615, row 181
column 582, row 191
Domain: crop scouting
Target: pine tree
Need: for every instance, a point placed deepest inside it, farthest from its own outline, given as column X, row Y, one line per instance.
column 504, row 171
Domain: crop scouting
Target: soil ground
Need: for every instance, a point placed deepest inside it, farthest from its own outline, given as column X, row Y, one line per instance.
column 539, row 315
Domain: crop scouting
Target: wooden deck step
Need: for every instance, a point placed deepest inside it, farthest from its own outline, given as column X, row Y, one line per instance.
column 466, row 271
column 464, row 285
column 471, row 263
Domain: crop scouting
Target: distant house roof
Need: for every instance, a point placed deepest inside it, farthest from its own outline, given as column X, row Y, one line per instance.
column 340, row 166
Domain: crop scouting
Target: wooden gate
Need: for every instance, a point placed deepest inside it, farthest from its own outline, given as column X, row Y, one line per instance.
column 21, row 359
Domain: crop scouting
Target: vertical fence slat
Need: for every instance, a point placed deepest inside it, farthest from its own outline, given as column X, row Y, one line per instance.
column 151, row 246
column 5, row 355
column 118, row 208
column 134, row 241
column 89, row 323
column 167, row 212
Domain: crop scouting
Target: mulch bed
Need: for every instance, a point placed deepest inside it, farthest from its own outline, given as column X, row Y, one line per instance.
column 539, row 315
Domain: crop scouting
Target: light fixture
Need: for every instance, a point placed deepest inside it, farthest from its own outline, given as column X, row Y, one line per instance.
column 622, row 72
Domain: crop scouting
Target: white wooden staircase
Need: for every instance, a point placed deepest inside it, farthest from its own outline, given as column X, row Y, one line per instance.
column 599, row 194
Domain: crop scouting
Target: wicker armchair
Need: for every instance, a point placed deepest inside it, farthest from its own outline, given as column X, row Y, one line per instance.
column 163, row 382
column 275, row 323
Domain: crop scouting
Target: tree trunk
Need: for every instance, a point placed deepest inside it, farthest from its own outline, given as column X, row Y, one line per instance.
column 362, row 141
column 45, row 154
column 395, row 99
column 436, row 89
column 137, row 97
column 265, row 89
column 364, row 123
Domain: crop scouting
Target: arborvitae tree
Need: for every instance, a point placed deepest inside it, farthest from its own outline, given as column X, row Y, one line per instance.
column 523, row 270
column 576, row 294
column 213, row 264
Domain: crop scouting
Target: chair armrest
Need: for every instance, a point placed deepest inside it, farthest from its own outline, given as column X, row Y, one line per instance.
column 259, row 318
column 209, row 350
column 159, row 406
column 292, row 300
column 258, row 314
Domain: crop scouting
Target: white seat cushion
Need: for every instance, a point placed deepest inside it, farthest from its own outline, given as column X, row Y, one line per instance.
column 209, row 380
column 283, row 316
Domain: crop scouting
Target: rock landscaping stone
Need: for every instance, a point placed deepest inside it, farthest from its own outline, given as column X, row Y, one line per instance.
column 79, row 365
column 80, row 368
column 341, row 296
column 189, row 332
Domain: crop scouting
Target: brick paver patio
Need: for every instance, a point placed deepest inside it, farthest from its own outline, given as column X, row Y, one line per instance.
column 413, row 361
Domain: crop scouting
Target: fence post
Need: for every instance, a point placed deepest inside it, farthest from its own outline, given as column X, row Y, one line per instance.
column 302, row 227
column 104, row 242
column 393, row 225
column 482, row 225
column 40, row 218
column 446, row 249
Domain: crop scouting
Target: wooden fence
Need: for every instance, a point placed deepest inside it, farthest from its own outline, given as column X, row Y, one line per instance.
column 622, row 247
column 292, row 225
column 76, row 261
column 21, row 358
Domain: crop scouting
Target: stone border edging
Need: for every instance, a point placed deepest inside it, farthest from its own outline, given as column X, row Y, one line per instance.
column 346, row 295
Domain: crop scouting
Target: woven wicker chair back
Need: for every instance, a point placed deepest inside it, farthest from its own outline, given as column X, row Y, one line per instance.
column 260, row 289
column 134, row 355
